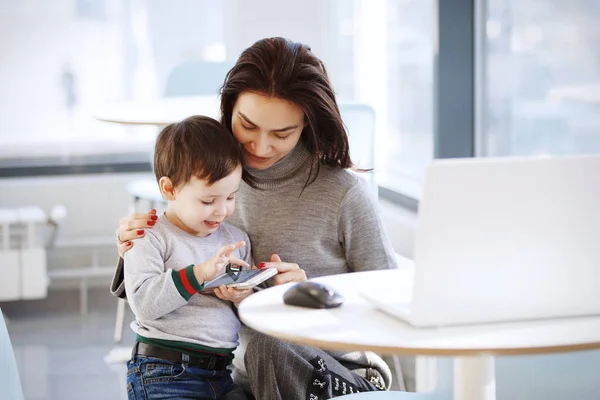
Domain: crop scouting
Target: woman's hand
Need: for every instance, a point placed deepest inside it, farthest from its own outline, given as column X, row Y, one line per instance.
column 286, row 272
column 132, row 227
column 232, row 294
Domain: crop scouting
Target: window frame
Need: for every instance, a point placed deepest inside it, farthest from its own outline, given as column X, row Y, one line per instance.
column 457, row 88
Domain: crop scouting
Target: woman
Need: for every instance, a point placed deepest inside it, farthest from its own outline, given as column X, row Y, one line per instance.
column 300, row 203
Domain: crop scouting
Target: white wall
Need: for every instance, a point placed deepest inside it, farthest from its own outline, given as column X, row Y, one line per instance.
column 248, row 21
column 95, row 203
column 38, row 46
column 232, row 24
column 180, row 30
column 401, row 225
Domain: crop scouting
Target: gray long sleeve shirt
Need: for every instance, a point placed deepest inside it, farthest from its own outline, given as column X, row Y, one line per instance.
column 161, row 288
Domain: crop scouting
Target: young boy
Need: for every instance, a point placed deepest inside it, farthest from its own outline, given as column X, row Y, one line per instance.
column 185, row 339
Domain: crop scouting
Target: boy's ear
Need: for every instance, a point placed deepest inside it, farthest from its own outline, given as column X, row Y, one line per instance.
column 166, row 188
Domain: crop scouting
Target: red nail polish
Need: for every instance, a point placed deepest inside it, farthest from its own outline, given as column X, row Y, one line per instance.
column 153, row 211
column 140, row 231
column 154, row 218
column 151, row 223
column 261, row 265
column 128, row 244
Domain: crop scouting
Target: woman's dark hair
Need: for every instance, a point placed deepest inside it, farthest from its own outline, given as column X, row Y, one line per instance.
column 289, row 70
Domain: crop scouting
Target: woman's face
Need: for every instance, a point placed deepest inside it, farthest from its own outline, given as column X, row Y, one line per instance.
column 267, row 127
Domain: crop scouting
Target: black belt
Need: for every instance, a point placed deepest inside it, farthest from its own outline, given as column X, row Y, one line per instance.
column 210, row 361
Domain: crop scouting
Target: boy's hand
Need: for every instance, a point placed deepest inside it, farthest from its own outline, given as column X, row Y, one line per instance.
column 232, row 294
column 209, row 269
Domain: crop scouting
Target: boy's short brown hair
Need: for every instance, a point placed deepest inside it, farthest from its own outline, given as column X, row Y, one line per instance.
column 198, row 147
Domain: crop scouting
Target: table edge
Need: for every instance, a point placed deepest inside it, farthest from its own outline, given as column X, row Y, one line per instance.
column 130, row 122
column 419, row 351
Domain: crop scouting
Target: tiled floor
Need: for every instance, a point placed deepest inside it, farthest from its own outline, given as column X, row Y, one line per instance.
column 60, row 355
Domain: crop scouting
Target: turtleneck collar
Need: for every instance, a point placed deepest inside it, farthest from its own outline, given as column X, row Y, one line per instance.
column 288, row 169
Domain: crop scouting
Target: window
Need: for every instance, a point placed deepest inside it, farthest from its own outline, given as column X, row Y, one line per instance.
column 384, row 57
column 407, row 143
column 541, row 78
column 61, row 60
column 69, row 57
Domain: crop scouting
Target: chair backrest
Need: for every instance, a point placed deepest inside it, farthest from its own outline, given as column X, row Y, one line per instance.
column 10, row 383
column 193, row 78
column 360, row 123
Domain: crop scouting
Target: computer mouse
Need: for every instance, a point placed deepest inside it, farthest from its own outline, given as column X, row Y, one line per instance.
column 312, row 295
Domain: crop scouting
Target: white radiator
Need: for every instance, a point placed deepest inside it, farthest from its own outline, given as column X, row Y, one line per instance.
column 22, row 254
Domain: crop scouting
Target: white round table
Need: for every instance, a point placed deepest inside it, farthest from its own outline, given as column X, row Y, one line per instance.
column 358, row 325
column 159, row 112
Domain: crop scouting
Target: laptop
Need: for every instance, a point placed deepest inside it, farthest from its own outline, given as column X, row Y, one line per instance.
column 503, row 239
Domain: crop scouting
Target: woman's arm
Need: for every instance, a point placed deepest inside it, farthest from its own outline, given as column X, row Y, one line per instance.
column 361, row 232
column 130, row 228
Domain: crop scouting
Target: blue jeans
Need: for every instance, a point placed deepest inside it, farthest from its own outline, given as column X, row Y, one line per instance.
column 154, row 378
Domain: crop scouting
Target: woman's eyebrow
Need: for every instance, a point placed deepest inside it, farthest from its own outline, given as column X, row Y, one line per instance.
column 245, row 118
column 287, row 128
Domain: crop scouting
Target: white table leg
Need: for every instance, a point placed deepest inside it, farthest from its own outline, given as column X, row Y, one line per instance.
column 474, row 378
column 426, row 379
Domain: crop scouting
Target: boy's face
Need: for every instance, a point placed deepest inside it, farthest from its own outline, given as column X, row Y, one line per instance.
column 199, row 209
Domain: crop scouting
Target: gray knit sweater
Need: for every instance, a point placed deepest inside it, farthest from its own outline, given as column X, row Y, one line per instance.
column 330, row 227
